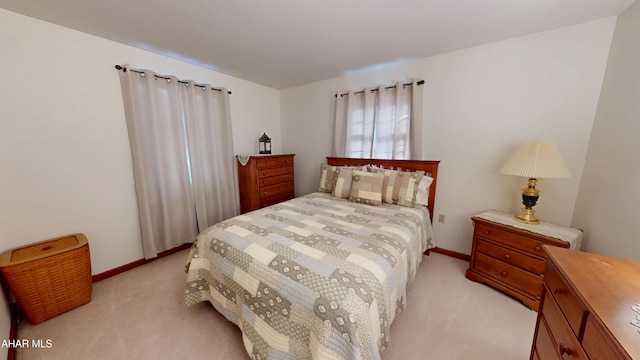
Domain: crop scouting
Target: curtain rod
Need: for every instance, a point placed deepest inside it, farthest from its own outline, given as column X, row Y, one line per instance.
column 118, row 67
column 386, row 88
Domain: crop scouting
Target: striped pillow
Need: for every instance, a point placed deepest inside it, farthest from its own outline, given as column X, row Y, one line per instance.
column 327, row 176
column 400, row 187
column 342, row 182
column 405, row 187
column 366, row 187
column 387, row 184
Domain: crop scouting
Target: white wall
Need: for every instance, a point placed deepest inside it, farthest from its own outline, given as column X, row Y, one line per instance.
column 607, row 206
column 479, row 104
column 64, row 149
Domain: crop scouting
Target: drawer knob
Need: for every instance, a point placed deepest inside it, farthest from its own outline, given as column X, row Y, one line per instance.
column 559, row 291
column 507, row 256
column 538, row 248
column 486, row 232
column 564, row 350
column 504, row 273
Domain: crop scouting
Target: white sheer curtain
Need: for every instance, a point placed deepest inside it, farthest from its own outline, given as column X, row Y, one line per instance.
column 208, row 125
column 381, row 123
column 181, row 153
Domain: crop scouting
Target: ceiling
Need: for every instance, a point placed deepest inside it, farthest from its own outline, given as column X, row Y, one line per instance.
column 285, row 43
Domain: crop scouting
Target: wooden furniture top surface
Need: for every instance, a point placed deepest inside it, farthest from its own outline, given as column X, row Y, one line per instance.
column 609, row 286
column 566, row 234
column 523, row 232
column 258, row 156
column 430, row 167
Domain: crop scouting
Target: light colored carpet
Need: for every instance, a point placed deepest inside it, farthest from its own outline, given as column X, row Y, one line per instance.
column 139, row 315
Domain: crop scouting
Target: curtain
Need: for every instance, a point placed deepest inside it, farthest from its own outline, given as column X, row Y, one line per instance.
column 182, row 150
column 208, row 125
column 381, row 123
column 160, row 168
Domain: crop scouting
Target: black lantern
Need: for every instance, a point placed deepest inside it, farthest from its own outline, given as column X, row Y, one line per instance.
column 265, row 144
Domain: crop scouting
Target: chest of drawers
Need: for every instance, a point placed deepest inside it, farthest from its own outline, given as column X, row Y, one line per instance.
column 510, row 259
column 265, row 180
column 586, row 308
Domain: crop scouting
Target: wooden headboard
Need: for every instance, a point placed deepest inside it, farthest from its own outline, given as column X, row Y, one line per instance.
column 430, row 167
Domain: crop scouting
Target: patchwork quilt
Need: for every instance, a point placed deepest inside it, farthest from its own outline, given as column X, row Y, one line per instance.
column 316, row 277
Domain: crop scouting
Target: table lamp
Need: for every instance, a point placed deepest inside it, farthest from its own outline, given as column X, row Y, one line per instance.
column 534, row 160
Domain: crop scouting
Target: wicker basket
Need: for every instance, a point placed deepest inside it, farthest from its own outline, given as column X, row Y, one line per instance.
column 49, row 277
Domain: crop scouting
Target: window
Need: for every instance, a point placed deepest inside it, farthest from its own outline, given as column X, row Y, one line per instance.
column 381, row 123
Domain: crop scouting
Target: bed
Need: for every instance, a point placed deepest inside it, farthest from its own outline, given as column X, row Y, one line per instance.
column 319, row 276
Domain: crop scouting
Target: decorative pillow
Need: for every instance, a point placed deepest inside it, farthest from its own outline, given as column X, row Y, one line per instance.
column 327, row 175
column 387, row 184
column 342, row 182
column 405, row 188
column 422, row 197
column 366, row 187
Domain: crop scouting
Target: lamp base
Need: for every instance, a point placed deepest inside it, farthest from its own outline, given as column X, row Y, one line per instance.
column 529, row 199
column 526, row 216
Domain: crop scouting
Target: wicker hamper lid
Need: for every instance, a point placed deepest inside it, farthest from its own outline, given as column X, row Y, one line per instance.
column 42, row 249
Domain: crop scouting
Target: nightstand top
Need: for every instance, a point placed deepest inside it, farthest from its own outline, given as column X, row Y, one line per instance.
column 571, row 235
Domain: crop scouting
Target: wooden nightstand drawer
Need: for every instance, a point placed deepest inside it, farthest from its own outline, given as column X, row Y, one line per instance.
column 511, row 256
column 511, row 275
column 512, row 239
column 567, row 300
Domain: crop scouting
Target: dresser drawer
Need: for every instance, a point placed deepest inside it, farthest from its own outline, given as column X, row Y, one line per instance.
column 513, row 276
column 273, row 161
column 597, row 344
column 283, row 170
column 275, row 190
column 275, row 200
column 525, row 262
column 571, row 306
column 544, row 348
column 527, row 244
column 565, row 341
column 276, row 180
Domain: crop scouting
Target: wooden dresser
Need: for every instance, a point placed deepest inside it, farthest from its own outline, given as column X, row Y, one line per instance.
column 511, row 259
column 265, row 180
column 586, row 309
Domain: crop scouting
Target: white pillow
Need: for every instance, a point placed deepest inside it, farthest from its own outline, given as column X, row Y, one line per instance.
column 422, row 197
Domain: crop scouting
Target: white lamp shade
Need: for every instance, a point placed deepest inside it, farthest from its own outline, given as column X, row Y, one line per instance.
column 536, row 160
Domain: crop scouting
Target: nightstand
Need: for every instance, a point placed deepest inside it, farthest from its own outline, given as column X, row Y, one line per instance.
column 508, row 255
